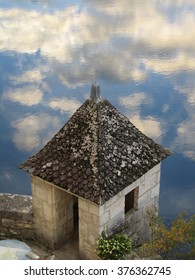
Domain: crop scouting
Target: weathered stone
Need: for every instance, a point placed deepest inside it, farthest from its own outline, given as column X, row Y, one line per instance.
column 16, row 216
column 55, row 167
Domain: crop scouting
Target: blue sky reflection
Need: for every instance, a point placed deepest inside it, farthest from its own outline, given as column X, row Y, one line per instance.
column 143, row 58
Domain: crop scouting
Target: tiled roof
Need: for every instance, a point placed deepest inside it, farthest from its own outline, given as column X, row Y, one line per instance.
column 96, row 154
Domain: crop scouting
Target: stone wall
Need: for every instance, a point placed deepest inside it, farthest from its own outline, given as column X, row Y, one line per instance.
column 16, row 217
column 53, row 213
column 93, row 219
column 89, row 228
column 148, row 198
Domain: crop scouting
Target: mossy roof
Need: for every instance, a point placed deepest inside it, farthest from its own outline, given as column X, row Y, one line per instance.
column 96, row 154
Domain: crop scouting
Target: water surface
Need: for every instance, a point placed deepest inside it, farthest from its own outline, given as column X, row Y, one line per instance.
column 143, row 57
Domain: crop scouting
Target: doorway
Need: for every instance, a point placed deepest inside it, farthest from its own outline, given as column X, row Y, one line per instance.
column 76, row 216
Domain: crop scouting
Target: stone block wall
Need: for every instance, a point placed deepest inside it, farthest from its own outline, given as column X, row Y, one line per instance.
column 89, row 228
column 93, row 219
column 16, row 217
column 148, row 198
column 53, row 213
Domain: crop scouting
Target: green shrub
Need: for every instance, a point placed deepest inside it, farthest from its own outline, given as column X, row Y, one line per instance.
column 174, row 242
column 113, row 247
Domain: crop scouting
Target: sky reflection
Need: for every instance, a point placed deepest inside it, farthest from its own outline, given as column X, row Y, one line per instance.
column 143, row 58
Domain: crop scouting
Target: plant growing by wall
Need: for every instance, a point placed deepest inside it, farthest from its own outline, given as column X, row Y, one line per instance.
column 113, row 247
column 176, row 241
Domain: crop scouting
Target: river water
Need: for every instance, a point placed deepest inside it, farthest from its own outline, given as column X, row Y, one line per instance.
column 142, row 53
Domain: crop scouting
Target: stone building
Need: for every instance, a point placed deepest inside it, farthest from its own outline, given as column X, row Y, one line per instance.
column 97, row 171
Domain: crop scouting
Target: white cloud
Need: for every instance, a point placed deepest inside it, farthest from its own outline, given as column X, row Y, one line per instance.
column 182, row 62
column 188, row 91
column 27, row 95
column 151, row 25
column 21, row 30
column 185, row 140
column 65, row 105
column 33, row 131
column 177, row 3
column 135, row 100
column 6, row 175
column 149, row 126
column 165, row 108
column 85, row 41
column 183, row 129
column 53, row 34
column 137, row 75
column 68, row 36
column 190, row 153
column 30, row 76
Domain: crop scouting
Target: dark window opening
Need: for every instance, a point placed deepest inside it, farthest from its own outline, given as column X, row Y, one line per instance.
column 75, row 213
column 131, row 200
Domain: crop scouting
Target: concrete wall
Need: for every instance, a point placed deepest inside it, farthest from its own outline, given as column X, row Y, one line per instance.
column 16, row 217
column 53, row 213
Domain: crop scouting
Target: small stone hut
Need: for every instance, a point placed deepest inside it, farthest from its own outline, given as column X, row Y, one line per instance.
column 97, row 171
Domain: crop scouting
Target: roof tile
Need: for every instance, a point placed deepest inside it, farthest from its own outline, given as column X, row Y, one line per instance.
column 96, row 154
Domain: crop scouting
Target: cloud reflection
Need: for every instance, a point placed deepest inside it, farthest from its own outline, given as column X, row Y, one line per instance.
column 28, row 95
column 97, row 39
column 148, row 125
column 65, row 105
column 6, row 175
column 33, row 131
column 135, row 100
column 181, row 62
column 185, row 140
column 33, row 76
column 118, row 42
